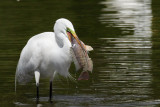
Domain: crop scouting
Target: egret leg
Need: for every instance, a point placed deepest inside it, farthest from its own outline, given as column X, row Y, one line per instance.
column 37, row 93
column 37, row 76
column 50, row 91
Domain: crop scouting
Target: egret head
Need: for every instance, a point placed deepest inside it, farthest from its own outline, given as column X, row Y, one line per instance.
column 61, row 26
column 64, row 26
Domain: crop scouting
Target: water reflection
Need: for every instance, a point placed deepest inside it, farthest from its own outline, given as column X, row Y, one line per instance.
column 127, row 58
column 128, row 15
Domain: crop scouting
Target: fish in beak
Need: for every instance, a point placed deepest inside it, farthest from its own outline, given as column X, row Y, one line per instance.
column 80, row 55
column 72, row 35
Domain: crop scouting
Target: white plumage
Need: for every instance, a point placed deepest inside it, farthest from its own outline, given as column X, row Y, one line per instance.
column 46, row 53
column 43, row 54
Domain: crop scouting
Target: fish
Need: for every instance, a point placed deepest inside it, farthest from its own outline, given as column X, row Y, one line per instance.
column 81, row 58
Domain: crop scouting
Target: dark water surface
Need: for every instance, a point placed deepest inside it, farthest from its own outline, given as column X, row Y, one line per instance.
column 125, row 35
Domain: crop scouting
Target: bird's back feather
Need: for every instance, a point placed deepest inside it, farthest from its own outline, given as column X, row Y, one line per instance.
column 42, row 53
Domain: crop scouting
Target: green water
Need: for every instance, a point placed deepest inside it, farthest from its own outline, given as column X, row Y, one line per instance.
column 125, row 35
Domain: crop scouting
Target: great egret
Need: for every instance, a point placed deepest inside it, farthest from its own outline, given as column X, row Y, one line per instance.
column 47, row 53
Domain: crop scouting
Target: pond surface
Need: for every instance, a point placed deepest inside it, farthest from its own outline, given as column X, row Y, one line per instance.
column 125, row 35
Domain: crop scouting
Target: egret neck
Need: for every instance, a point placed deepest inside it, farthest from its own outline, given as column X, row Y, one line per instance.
column 63, row 42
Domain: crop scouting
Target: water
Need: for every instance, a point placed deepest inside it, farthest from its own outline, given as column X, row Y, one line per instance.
column 126, row 56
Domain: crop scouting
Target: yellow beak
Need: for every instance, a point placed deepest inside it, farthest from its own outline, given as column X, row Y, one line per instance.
column 73, row 34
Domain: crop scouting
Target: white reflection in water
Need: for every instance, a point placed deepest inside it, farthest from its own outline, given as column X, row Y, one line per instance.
column 136, row 14
column 127, row 57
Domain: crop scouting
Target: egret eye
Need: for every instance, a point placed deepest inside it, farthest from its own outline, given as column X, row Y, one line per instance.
column 68, row 30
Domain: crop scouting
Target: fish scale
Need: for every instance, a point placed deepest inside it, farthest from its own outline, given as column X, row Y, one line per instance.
column 80, row 56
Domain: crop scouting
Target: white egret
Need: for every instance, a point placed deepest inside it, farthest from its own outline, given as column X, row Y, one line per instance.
column 47, row 53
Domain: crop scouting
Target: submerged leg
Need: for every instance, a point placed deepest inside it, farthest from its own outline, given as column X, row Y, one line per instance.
column 37, row 98
column 37, row 76
column 50, row 91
